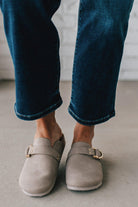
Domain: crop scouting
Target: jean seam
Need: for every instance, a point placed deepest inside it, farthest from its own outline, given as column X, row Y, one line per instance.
column 48, row 110
column 112, row 113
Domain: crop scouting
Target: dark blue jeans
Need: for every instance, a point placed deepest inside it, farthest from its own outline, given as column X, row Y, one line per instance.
column 34, row 45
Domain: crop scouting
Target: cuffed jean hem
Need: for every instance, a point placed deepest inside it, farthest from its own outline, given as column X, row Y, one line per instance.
column 39, row 114
column 91, row 122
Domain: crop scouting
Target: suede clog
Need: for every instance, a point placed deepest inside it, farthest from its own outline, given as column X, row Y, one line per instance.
column 39, row 172
column 83, row 167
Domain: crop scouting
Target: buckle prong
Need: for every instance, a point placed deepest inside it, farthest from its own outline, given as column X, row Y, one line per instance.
column 96, row 156
column 27, row 152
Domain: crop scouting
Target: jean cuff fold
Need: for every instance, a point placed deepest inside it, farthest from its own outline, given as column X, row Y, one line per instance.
column 91, row 122
column 30, row 117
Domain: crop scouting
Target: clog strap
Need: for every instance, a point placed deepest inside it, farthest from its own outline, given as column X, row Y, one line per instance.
column 44, row 150
column 95, row 153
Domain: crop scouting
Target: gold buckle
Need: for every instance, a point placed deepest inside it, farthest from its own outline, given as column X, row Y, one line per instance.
column 29, row 147
column 96, row 156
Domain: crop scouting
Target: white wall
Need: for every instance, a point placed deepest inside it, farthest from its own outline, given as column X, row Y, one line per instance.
column 66, row 21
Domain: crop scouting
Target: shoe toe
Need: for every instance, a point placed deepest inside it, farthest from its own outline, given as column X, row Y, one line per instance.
column 38, row 176
column 83, row 172
column 39, row 172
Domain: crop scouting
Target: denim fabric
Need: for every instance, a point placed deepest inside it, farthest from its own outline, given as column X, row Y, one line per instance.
column 34, row 46
column 102, row 29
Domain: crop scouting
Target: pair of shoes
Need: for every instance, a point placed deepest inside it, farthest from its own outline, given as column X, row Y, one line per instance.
column 39, row 172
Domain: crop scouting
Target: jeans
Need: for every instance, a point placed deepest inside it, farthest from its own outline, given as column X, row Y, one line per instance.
column 34, row 46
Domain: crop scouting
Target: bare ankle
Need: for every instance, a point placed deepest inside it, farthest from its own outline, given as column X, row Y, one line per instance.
column 83, row 133
column 47, row 127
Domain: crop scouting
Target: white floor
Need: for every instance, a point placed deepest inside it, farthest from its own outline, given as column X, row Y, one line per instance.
column 117, row 138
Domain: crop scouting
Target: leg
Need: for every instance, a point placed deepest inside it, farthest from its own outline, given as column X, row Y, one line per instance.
column 102, row 30
column 34, row 45
column 101, row 33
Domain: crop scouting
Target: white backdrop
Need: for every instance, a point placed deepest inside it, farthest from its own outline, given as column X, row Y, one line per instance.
column 66, row 21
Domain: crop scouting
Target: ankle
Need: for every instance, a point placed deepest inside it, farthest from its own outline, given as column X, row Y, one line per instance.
column 47, row 127
column 83, row 133
column 48, row 130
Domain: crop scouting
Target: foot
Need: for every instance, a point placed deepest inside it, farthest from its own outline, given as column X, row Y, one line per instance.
column 83, row 133
column 40, row 169
column 83, row 169
column 47, row 127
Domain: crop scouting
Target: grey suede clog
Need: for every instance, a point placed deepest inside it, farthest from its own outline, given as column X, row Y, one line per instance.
column 39, row 172
column 83, row 167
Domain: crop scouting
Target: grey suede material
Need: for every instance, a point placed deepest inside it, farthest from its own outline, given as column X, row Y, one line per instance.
column 39, row 171
column 82, row 170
